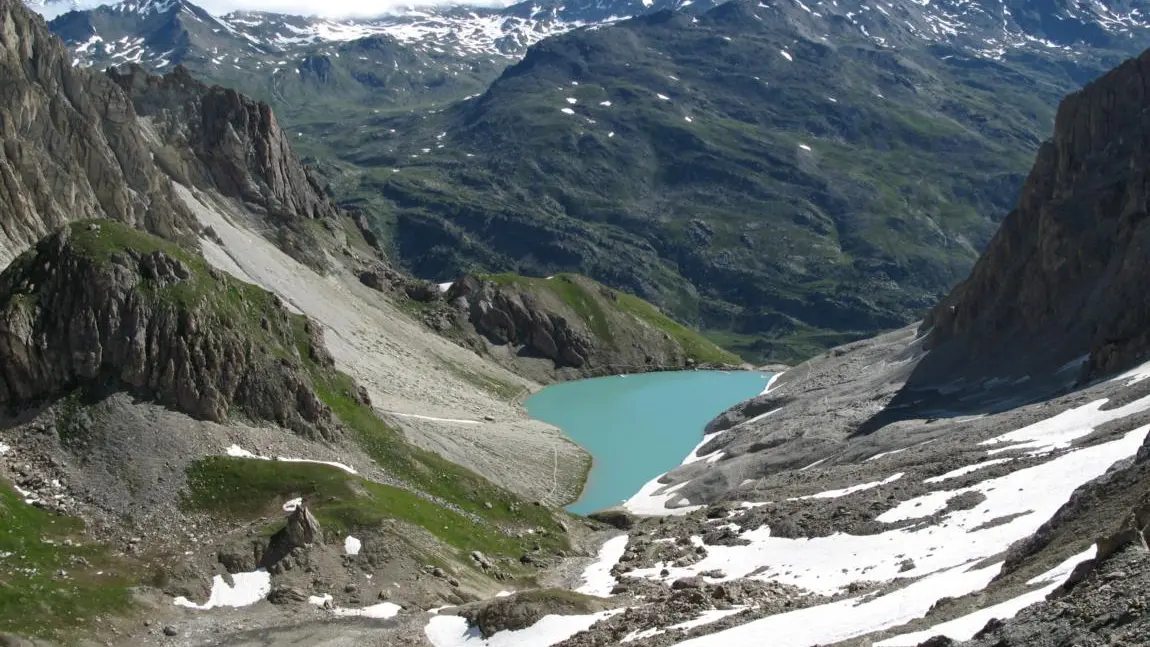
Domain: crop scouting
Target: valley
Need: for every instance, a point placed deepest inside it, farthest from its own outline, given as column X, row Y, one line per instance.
column 857, row 158
column 448, row 327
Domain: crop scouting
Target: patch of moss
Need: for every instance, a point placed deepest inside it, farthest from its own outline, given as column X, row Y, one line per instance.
column 571, row 293
column 590, row 302
column 243, row 488
column 50, row 580
column 693, row 344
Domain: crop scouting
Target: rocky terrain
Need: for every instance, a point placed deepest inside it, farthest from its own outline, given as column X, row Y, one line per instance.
column 556, row 328
column 882, row 144
column 229, row 422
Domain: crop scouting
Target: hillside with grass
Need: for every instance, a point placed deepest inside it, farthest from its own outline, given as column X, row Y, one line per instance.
column 782, row 193
column 564, row 326
column 99, row 309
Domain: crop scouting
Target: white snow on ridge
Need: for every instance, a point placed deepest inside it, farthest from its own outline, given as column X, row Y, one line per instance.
column 383, row 610
column 835, row 494
column 942, row 554
column 1134, row 375
column 597, row 578
column 771, row 382
column 236, row 451
column 965, row 627
column 963, row 471
column 850, row 618
column 452, row 631
column 646, row 502
column 1063, row 429
column 249, row 588
column 706, row 618
column 885, row 454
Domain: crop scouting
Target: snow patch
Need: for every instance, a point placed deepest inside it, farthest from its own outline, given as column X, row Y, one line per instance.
column 236, row 451
column 567, row 111
column 597, row 578
column 1060, row 431
column 291, row 505
column 965, row 627
column 249, row 588
column 351, row 545
column 382, row 611
column 834, row 494
column 787, row 55
column 963, row 471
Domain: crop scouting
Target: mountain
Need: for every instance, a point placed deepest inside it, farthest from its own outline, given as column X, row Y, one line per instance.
column 783, row 193
column 816, row 172
column 160, row 407
column 944, row 484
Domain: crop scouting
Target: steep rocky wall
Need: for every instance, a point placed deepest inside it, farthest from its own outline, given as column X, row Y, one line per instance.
column 70, row 147
column 1065, row 275
column 99, row 305
column 218, row 139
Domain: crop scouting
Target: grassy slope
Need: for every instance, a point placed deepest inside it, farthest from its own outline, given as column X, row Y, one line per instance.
column 910, row 167
column 49, row 580
column 447, row 500
column 588, row 300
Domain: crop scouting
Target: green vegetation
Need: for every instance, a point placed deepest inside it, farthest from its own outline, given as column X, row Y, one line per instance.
column 241, row 488
column 571, row 293
column 805, row 201
column 426, row 471
column 604, row 310
column 694, row 345
column 237, row 305
column 50, row 582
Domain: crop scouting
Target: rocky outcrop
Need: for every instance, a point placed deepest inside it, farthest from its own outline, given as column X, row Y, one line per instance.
column 216, row 138
column 102, row 306
column 70, row 144
column 516, row 317
column 1065, row 274
column 524, row 609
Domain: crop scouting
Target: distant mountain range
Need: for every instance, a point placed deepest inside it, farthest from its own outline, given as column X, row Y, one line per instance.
column 786, row 175
column 126, row 31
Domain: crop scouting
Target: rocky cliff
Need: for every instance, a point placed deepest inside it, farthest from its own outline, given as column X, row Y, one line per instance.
column 218, row 139
column 560, row 327
column 1064, row 276
column 101, row 306
column 70, row 147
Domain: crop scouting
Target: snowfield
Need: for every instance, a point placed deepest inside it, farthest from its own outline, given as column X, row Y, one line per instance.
column 452, row 631
column 949, row 558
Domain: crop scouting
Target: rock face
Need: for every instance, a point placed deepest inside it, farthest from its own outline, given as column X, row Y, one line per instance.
column 70, row 145
column 1066, row 272
column 103, row 306
column 217, row 138
column 515, row 317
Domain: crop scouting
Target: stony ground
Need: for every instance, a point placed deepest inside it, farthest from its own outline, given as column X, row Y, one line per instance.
column 444, row 397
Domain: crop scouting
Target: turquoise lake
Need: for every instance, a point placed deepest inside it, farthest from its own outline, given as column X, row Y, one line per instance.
column 638, row 426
